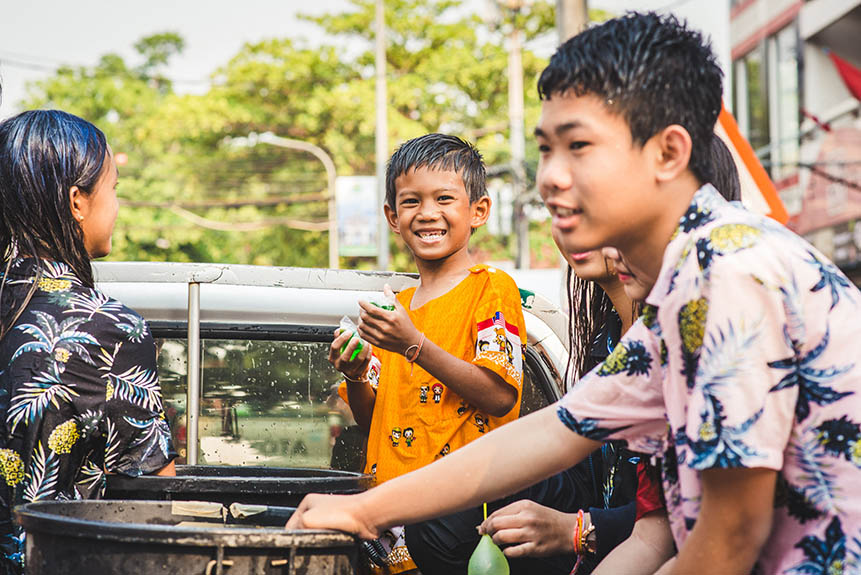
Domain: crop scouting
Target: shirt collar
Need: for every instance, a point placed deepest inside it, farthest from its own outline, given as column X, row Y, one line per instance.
column 704, row 208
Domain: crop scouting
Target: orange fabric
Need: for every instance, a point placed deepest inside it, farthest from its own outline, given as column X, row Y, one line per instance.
column 753, row 166
column 416, row 418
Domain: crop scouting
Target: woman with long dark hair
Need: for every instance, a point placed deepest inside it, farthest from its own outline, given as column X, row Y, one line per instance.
column 79, row 392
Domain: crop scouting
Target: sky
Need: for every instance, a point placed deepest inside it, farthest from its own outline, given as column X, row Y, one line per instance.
column 38, row 35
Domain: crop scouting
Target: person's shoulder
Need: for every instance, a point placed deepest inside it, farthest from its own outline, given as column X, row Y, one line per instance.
column 494, row 277
column 114, row 320
column 743, row 241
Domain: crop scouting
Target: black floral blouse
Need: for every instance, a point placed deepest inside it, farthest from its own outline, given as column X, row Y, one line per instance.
column 79, row 396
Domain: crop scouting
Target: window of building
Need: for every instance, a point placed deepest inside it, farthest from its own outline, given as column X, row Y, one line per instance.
column 766, row 100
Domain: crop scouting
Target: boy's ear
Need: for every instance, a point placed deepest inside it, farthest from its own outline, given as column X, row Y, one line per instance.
column 674, row 152
column 480, row 210
column 392, row 218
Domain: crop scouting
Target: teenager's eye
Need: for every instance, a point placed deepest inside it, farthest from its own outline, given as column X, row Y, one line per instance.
column 543, row 148
column 578, row 145
column 409, row 202
column 445, row 198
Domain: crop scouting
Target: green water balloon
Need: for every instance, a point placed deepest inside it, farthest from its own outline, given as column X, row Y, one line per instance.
column 487, row 559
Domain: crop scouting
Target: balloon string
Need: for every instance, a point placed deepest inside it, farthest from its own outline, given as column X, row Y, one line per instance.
column 485, row 511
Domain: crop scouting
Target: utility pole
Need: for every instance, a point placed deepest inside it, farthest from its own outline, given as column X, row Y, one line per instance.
column 382, row 134
column 571, row 18
column 517, row 139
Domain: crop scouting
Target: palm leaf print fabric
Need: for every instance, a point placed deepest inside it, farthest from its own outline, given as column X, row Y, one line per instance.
column 79, row 394
column 753, row 338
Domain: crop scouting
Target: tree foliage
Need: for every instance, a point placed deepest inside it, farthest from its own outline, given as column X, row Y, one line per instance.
column 447, row 71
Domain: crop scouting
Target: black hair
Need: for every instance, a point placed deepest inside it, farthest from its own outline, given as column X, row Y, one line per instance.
column 589, row 309
column 724, row 173
column 43, row 153
column 652, row 70
column 437, row 152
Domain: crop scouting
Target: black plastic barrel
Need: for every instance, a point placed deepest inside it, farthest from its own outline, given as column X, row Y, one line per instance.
column 136, row 537
column 283, row 486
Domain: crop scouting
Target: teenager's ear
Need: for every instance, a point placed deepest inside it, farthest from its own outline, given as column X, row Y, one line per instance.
column 674, row 152
column 480, row 209
column 79, row 203
column 392, row 218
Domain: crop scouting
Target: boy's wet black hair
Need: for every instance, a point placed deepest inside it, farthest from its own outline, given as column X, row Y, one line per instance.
column 652, row 70
column 438, row 152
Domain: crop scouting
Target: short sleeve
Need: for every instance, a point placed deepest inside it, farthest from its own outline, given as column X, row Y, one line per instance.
column 740, row 366
column 499, row 330
column 138, row 437
column 622, row 397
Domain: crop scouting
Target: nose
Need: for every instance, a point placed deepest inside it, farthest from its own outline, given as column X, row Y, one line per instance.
column 428, row 211
column 554, row 175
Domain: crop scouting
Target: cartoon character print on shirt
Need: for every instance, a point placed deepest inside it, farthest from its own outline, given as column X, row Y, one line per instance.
column 499, row 341
column 461, row 408
column 374, row 372
column 423, row 394
column 395, row 436
column 480, row 422
column 437, row 392
column 374, row 469
column 409, row 436
column 446, row 449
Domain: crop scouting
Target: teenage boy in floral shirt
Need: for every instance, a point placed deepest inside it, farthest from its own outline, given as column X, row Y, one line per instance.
column 743, row 371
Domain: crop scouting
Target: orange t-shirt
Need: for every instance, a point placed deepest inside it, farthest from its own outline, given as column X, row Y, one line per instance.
column 416, row 418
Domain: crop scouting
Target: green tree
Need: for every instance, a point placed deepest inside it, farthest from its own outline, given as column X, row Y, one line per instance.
column 447, row 71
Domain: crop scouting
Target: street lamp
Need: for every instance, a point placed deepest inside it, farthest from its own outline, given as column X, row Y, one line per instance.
column 319, row 153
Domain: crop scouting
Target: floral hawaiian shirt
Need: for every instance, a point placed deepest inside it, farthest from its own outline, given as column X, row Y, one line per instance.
column 79, row 396
column 746, row 355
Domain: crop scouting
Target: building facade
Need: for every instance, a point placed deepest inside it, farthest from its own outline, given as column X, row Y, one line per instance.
column 799, row 114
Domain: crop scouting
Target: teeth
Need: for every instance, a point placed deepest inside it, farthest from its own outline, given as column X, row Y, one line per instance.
column 431, row 235
column 565, row 212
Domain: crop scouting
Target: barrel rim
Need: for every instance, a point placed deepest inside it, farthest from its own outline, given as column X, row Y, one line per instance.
column 34, row 520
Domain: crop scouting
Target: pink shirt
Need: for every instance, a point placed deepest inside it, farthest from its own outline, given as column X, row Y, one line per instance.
column 746, row 355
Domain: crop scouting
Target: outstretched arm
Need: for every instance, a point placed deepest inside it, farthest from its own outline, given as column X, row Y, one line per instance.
column 504, row 461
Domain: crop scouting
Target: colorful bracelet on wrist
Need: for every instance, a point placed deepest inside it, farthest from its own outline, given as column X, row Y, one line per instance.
column 415, row 349
column 581, row 544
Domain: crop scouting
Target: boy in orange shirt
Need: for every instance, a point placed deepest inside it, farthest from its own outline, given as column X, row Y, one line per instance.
column 447, row 364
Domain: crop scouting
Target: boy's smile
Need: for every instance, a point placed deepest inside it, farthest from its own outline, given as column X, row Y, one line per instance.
column 434, row 215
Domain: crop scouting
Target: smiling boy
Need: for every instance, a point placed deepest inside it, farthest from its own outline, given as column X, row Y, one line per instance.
column 742, row 373
column 458, row 335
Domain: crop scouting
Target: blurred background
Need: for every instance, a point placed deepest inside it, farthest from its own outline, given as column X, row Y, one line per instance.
column 254, row 132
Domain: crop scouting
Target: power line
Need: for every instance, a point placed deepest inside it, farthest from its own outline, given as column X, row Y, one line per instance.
column 308, row 199
column 48, row 65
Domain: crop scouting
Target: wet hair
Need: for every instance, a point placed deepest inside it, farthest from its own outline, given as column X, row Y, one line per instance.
column 651, row 70
column 43, row 153
column 724, row 171
column 438, row 152
column 589, row 309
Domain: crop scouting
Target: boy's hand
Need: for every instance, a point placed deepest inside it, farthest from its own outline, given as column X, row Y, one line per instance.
column 391, row 330
column 530, row 529
column 341, row 512
column 356, row 368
